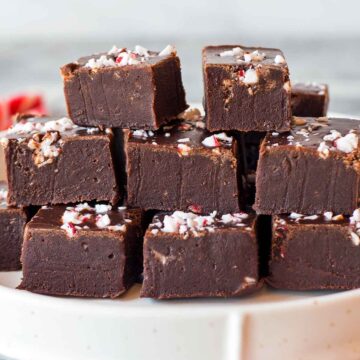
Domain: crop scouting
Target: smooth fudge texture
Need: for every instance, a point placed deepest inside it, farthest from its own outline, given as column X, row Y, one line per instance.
column 82, row 251
column 12, row 225
column 311, row 169
column 188, row 255
column 315, row 252
column 309, row 99
column 246, row 89
column 181, row 167
column 53, row 161
column 124, row 88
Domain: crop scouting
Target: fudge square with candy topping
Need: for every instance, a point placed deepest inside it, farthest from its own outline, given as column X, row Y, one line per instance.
column 12, row 225
column 246, row 89
column 311, row 169
column 309, row 99
column 315, row 252
column 53, row 161
column 125, row 88
column 181, row 167
column 82, row 250
column 188, row 255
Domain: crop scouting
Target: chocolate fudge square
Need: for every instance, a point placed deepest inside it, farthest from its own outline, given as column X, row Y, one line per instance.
column 315, row 252
column 309, row 99
column 12, row 225
column 311, row 169
column 53, row 161
column 181, row 167
column 246, row 89
column 125, row 88
column 82, row 250
column 188, row 255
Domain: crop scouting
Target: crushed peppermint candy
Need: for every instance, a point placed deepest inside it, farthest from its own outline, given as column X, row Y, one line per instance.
column 323, row 150
column 279, row 59
column 183, row 149
column 3, row 197
column 328, row 215
column 142, row 134
column 183, row 140
column 254, row 56
column 249, row 76
column 77, row 217
column 217, row 140
column 169, row 49
column 186, row 223
column 122, row 57
column 102, row 221
column 44, row 137
column 236, row 51
column 346, row 144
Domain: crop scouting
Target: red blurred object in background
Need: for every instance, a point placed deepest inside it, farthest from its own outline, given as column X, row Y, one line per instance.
column 20, row 104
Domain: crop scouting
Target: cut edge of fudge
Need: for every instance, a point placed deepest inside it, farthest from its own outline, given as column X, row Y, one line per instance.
column 242, row 74
column 13, row 221
column 179, row 246
column 311, row 169
column 85, row 250
column 181, row 144
column 315, row 252
column 39, row 152
column 162, row 81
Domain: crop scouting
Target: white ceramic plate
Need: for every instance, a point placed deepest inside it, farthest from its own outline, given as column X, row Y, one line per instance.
column 267, row 325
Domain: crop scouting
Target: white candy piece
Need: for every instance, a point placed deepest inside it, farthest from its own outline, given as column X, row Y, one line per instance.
column 236, row 51
column 102, row 221
column 211, row 141
column 334, row 134
column 279, row 59
column 102, row 208
column 355, row 216
column 328, row 215
column 169, row 49
column 250, row 77
column 323, row 149
column 294, row 215
column 311, row 217
column 355, row 238
column 140, row 50
column 347, row 143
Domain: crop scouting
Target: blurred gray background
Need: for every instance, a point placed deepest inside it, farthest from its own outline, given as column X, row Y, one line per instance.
column 320, row 39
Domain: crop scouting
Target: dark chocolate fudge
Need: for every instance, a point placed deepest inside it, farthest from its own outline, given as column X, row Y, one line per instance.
column 82, row 250
column 309, row 99
column 12, row 225
column 246, row 89
column 53, row 161
column 188, row 255
column 315, row 252
column 311, row 169
column 181, row 167
column 125, row 88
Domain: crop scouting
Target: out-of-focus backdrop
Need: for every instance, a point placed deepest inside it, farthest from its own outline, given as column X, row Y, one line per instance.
column 320, row 39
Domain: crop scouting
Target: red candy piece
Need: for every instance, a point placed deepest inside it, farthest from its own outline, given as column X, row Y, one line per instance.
column 195, row 209
column 118, row 59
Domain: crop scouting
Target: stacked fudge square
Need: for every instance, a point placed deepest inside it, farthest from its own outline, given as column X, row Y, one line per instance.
column 133, row 182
